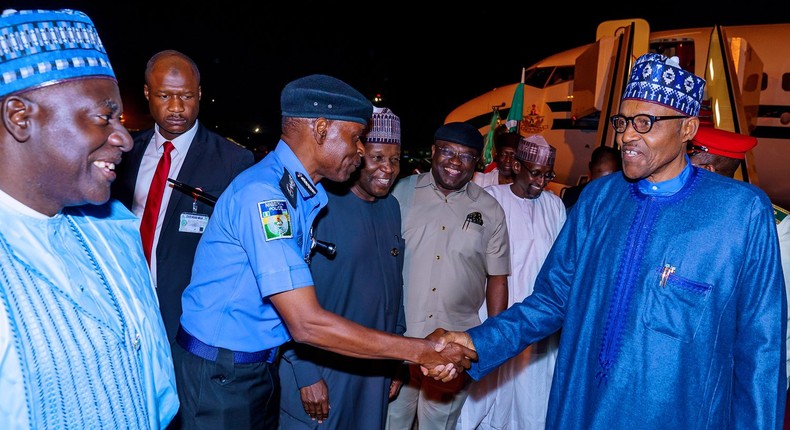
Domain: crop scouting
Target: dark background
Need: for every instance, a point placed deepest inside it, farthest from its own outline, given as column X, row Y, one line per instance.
column 424, row 59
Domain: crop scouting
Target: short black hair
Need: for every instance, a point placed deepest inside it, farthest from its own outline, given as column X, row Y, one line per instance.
column 603, row 153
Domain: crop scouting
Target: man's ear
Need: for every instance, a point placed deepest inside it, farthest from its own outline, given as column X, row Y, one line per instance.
column 16, row 117
column 145, row 92
column 689, row 130
column 516, row 166
column 320, row 127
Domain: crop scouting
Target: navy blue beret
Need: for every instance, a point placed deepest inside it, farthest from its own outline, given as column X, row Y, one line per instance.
column 461, row 133
column 318, row 96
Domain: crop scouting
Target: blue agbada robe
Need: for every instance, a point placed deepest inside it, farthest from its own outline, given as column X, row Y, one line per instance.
column 671, row 305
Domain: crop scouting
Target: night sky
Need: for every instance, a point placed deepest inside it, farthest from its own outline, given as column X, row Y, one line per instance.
column 424, row 64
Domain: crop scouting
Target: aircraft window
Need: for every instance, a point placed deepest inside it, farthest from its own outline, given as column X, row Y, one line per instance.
column 561, row 74
column 683, row 49
column 786, row 81
column 750, row 84
column 537, row 77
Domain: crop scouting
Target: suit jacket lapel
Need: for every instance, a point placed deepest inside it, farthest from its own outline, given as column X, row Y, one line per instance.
column 189, row 168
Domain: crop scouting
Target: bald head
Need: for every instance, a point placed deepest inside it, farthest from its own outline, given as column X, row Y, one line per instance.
column 172, row 59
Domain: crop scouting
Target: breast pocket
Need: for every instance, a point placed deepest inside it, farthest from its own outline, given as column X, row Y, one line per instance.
column 675, row 305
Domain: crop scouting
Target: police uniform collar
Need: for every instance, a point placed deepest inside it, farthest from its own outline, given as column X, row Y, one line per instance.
column 294, row 167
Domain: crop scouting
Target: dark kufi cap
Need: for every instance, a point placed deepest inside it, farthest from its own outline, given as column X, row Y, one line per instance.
column 535, row 149
column 317, row 96
column 508, row 140
column 723, row 142
column 461, row 133
column 44, row 47
column 384, row 127
column 658, row 79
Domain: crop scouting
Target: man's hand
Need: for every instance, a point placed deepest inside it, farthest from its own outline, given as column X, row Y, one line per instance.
column 456, row 356
column 395, row 387
column 443, row 337
column 315, row 399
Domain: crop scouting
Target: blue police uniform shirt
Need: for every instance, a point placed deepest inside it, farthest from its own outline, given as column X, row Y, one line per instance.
column 257, row 243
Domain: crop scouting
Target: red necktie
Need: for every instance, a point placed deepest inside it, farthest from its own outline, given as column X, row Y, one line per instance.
column 154, row 201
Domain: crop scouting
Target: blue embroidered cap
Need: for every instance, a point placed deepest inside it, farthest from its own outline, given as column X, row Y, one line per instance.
column 658, row 79
column 43, row 47
column 384, row 127
column 461, row 133
column 317, row 96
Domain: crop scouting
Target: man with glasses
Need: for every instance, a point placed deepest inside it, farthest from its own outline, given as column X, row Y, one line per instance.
column 517, row 395
column 457, row 255
column 670, row 317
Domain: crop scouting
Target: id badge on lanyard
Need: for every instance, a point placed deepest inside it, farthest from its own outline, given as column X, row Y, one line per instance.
column 193, row 222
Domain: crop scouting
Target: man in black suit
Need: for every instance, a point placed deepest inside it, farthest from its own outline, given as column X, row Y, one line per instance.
column 199, row 158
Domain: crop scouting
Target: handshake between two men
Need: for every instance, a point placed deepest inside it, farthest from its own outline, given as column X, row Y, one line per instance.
column 457, row 351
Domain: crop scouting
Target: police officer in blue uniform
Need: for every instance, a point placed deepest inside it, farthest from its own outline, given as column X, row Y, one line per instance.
column 251, row 288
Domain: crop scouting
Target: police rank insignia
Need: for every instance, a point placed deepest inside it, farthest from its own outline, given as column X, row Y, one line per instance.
column 288, row 187
column 306, row 184
column 275, row 219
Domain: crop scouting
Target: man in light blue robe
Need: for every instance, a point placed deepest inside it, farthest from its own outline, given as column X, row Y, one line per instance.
column 670, row 318
column 82, row 343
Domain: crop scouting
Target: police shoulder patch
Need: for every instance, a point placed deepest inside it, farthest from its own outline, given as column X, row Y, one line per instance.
column 275, row 219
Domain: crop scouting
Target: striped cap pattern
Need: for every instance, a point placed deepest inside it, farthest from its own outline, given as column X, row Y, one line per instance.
column 42, row 47
column 658, row 79
column 384, row 127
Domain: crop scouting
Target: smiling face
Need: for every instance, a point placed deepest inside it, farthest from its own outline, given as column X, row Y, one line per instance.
column 173, row 92
column 75, row 139
column 380, row 167
column 659, row 154
column 530, row 179
column 452, row 165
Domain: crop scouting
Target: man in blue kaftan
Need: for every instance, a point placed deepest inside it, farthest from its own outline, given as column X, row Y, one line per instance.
column 670, row 318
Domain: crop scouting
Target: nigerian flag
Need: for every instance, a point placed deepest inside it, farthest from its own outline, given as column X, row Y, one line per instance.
column 516, row 108
column 488, row 156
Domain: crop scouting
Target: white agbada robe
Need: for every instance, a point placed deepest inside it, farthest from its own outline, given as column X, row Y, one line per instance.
column 486, row 179
column 516, row 395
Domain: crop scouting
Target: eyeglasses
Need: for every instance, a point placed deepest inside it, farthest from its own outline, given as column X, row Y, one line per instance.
column 465, row 157
column 548, row 176
column 642, row 123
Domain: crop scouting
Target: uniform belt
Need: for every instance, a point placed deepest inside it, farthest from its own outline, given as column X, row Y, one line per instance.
column 208, row 352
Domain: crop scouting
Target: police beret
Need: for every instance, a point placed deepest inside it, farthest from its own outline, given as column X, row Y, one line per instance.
column 723, row 142
column 317, row 96
column 461, row 133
